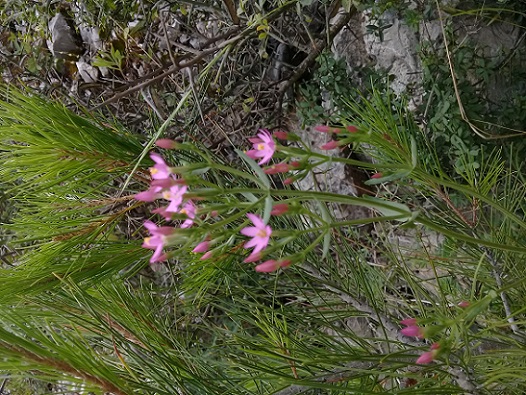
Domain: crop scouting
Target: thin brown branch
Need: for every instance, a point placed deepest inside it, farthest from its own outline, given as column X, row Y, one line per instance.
column 181, row 64
column 349, row 373
column 64, row 367
column 231, row 7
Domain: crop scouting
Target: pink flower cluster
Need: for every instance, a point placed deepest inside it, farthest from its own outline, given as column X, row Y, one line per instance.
column 264, row 147
column 165, row 185
column 168, row 186
column 413, row 330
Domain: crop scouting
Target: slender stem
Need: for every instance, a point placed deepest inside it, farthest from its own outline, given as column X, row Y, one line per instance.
column 503, row 296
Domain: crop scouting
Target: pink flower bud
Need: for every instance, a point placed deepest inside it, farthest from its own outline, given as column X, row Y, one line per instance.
column 281, row 135
column 279, row 209
column 288, row 181
column 352, row 129
column 253, row 257
column 279, row 168
column 206, row 255
column 272, row 265
column 327, row 129
column 295, row 164
column 202, row 246
column 429, row 356
column 377, row 175
column 413, row 331
column 333, row 144
column 408, row 322
column 148, row 196
column 464, row 304
column 166, row 143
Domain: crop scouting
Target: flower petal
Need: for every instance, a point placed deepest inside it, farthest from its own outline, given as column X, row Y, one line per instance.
column 256, row 220
column 250, row 231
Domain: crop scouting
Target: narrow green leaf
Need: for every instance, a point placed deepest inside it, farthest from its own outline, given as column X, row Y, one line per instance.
column 414, row 153
column 268, row 208
column 391, row 209
column 397, row 175
column 327, row 237
column 257, row 169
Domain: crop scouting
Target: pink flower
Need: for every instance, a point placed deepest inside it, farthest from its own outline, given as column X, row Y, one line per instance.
column 279, row 209
column 189, row 210
column 412, row 329
column 175, row 196
column 157, row 240
column 333, row 144
column 160, row 170
column 272, row 265
column 150, row 195
column 263, row 147
column 162, row 212
column 429, row 356
column 260, row 233
column 166, row 143
column 167, row 183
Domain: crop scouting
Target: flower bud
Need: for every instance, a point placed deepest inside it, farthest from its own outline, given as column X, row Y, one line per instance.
column 279, row 209
column 333, row 144
column 272, row 265
column 166, row 143
column 327, row 129
column 279, row 134
column 202, row 246
column 253, row 257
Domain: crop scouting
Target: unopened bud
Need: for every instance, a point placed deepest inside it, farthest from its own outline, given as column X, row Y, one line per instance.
column 166, row 143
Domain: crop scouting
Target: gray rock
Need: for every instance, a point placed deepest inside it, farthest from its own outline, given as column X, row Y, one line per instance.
column 331, row 177
column 397, row 52
column 64, row 42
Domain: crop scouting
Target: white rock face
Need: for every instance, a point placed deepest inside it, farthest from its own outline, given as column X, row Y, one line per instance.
column 331, row 177
column 395, row 51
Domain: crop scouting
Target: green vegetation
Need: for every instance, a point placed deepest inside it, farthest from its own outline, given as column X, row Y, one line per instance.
column 319, row 311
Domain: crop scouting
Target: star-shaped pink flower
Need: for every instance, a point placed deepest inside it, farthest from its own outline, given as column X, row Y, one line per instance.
column 260, row 234
column 157, row 240
column 263, row 147
column 175, row 195
column 160, row 170
column 189, row 210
